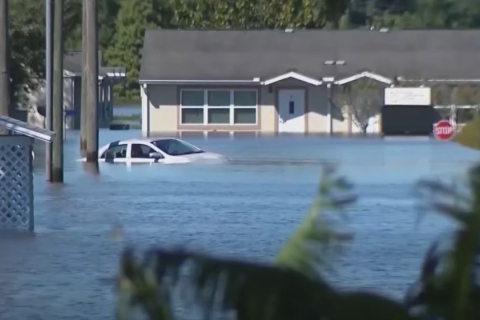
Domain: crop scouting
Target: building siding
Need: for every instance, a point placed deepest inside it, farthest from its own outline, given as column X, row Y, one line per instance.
column 163, row 105
column 160, row 105
column 268, row 111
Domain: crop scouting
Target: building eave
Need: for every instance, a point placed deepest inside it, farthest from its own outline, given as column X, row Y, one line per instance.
column 292, row 75
column 179, row 82
column 365, row 74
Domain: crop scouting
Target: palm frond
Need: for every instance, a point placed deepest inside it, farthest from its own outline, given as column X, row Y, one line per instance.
column 448, row 287
column 246, row 290
column 302, row 250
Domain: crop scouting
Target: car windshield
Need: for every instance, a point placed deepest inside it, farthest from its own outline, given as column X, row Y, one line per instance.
column 174, row 147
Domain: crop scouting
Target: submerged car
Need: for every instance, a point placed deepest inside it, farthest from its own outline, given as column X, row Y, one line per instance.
column 160, row 150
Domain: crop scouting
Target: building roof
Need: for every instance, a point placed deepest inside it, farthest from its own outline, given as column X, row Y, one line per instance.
column 245, row 55
column 73, row 62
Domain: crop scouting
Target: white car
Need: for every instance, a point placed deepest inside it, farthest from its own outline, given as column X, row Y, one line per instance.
column 160, row 150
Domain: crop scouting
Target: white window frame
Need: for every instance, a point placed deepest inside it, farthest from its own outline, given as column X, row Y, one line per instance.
column 231, row 107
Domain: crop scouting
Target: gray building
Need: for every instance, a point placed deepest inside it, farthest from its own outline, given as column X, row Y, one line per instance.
column 72, row 87
column 281, row 80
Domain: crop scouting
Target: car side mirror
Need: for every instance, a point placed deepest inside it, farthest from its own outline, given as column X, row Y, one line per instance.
column 155, row 155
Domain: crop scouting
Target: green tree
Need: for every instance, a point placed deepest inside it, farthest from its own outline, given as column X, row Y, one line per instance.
column 134, row 17
column 27, row 47
column 107, row 16
column 251, row 14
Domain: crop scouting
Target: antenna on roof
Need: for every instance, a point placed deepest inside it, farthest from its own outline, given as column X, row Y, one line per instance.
column 289, row 30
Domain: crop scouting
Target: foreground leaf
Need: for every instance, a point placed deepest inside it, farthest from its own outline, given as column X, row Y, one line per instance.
column 469, row 135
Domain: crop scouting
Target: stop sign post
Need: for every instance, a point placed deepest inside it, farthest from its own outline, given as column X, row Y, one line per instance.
column 443, row 130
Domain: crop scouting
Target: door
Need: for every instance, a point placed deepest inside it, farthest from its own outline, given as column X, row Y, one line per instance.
column 117, row 153
column 291, row 110
column 142, row 153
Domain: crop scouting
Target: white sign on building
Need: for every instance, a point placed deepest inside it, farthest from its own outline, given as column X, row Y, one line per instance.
column 408, row 96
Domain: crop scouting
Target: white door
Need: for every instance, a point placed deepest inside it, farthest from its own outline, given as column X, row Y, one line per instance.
column 115, row 154
column 141, row 153
column 291, row 110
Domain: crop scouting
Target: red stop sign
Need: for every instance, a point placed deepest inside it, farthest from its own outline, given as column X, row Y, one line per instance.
column 443, row 130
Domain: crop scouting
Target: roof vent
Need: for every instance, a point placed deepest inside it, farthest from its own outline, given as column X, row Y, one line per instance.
column 289, row 30
column 384, row 30
column 335, row 62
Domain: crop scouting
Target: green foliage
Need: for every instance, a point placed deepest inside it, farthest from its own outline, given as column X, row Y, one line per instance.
column 27, row 46
column 248, row 14
column 134, row 17
column 284, row 291
column 316, row 231
column 448, row 286
column 107, row 16
column 469, row 135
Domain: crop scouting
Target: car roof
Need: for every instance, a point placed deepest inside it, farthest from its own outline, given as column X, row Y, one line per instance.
column 140, row 140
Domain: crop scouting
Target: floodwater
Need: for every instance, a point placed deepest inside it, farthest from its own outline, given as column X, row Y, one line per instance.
column 244, row 209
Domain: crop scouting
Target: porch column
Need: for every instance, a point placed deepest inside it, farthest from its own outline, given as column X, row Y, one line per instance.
column 145, row 111
column 329, row 115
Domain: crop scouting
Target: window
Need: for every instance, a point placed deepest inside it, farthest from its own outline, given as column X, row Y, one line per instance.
column 219, row 107
column 141, row 151
column 114, row 152
column 174, row 147
column 192, row 98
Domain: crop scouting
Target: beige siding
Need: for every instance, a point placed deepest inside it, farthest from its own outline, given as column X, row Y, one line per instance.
column 268, row 111
column 318, row 109
column 162, row 101
column 163, row 104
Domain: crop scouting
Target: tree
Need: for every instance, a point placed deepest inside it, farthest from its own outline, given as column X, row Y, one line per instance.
column 134, row 17
column 251, row 14
column 362, row 99
column 27, row 47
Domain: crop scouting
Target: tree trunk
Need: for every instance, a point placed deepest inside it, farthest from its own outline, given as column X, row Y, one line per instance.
column 4, row 70
column 364, row 129
column 57, row 112
column 92, row 80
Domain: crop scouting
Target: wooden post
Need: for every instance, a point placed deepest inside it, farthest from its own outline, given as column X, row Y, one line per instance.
column 92, row 80
column 4, row 70
column 57, row 112
column 83, row 107
column 48, row 84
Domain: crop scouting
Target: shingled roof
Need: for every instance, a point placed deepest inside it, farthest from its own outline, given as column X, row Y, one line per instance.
column 73, row 62
column 244, row 55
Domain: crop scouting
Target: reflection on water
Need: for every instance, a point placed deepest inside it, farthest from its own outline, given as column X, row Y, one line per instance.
column 245, row 208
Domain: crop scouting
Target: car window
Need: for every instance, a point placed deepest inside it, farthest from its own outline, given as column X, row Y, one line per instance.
column 141, row 151
column 118, row 151
column 176, row 147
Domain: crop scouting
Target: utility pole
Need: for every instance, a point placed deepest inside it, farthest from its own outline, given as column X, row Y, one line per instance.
column 92, row 80
column 4, row 69
column 48, row 86
column 57, row 145
column 83, row 108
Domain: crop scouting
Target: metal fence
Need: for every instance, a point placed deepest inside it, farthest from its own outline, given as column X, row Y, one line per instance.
column 16, row 183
